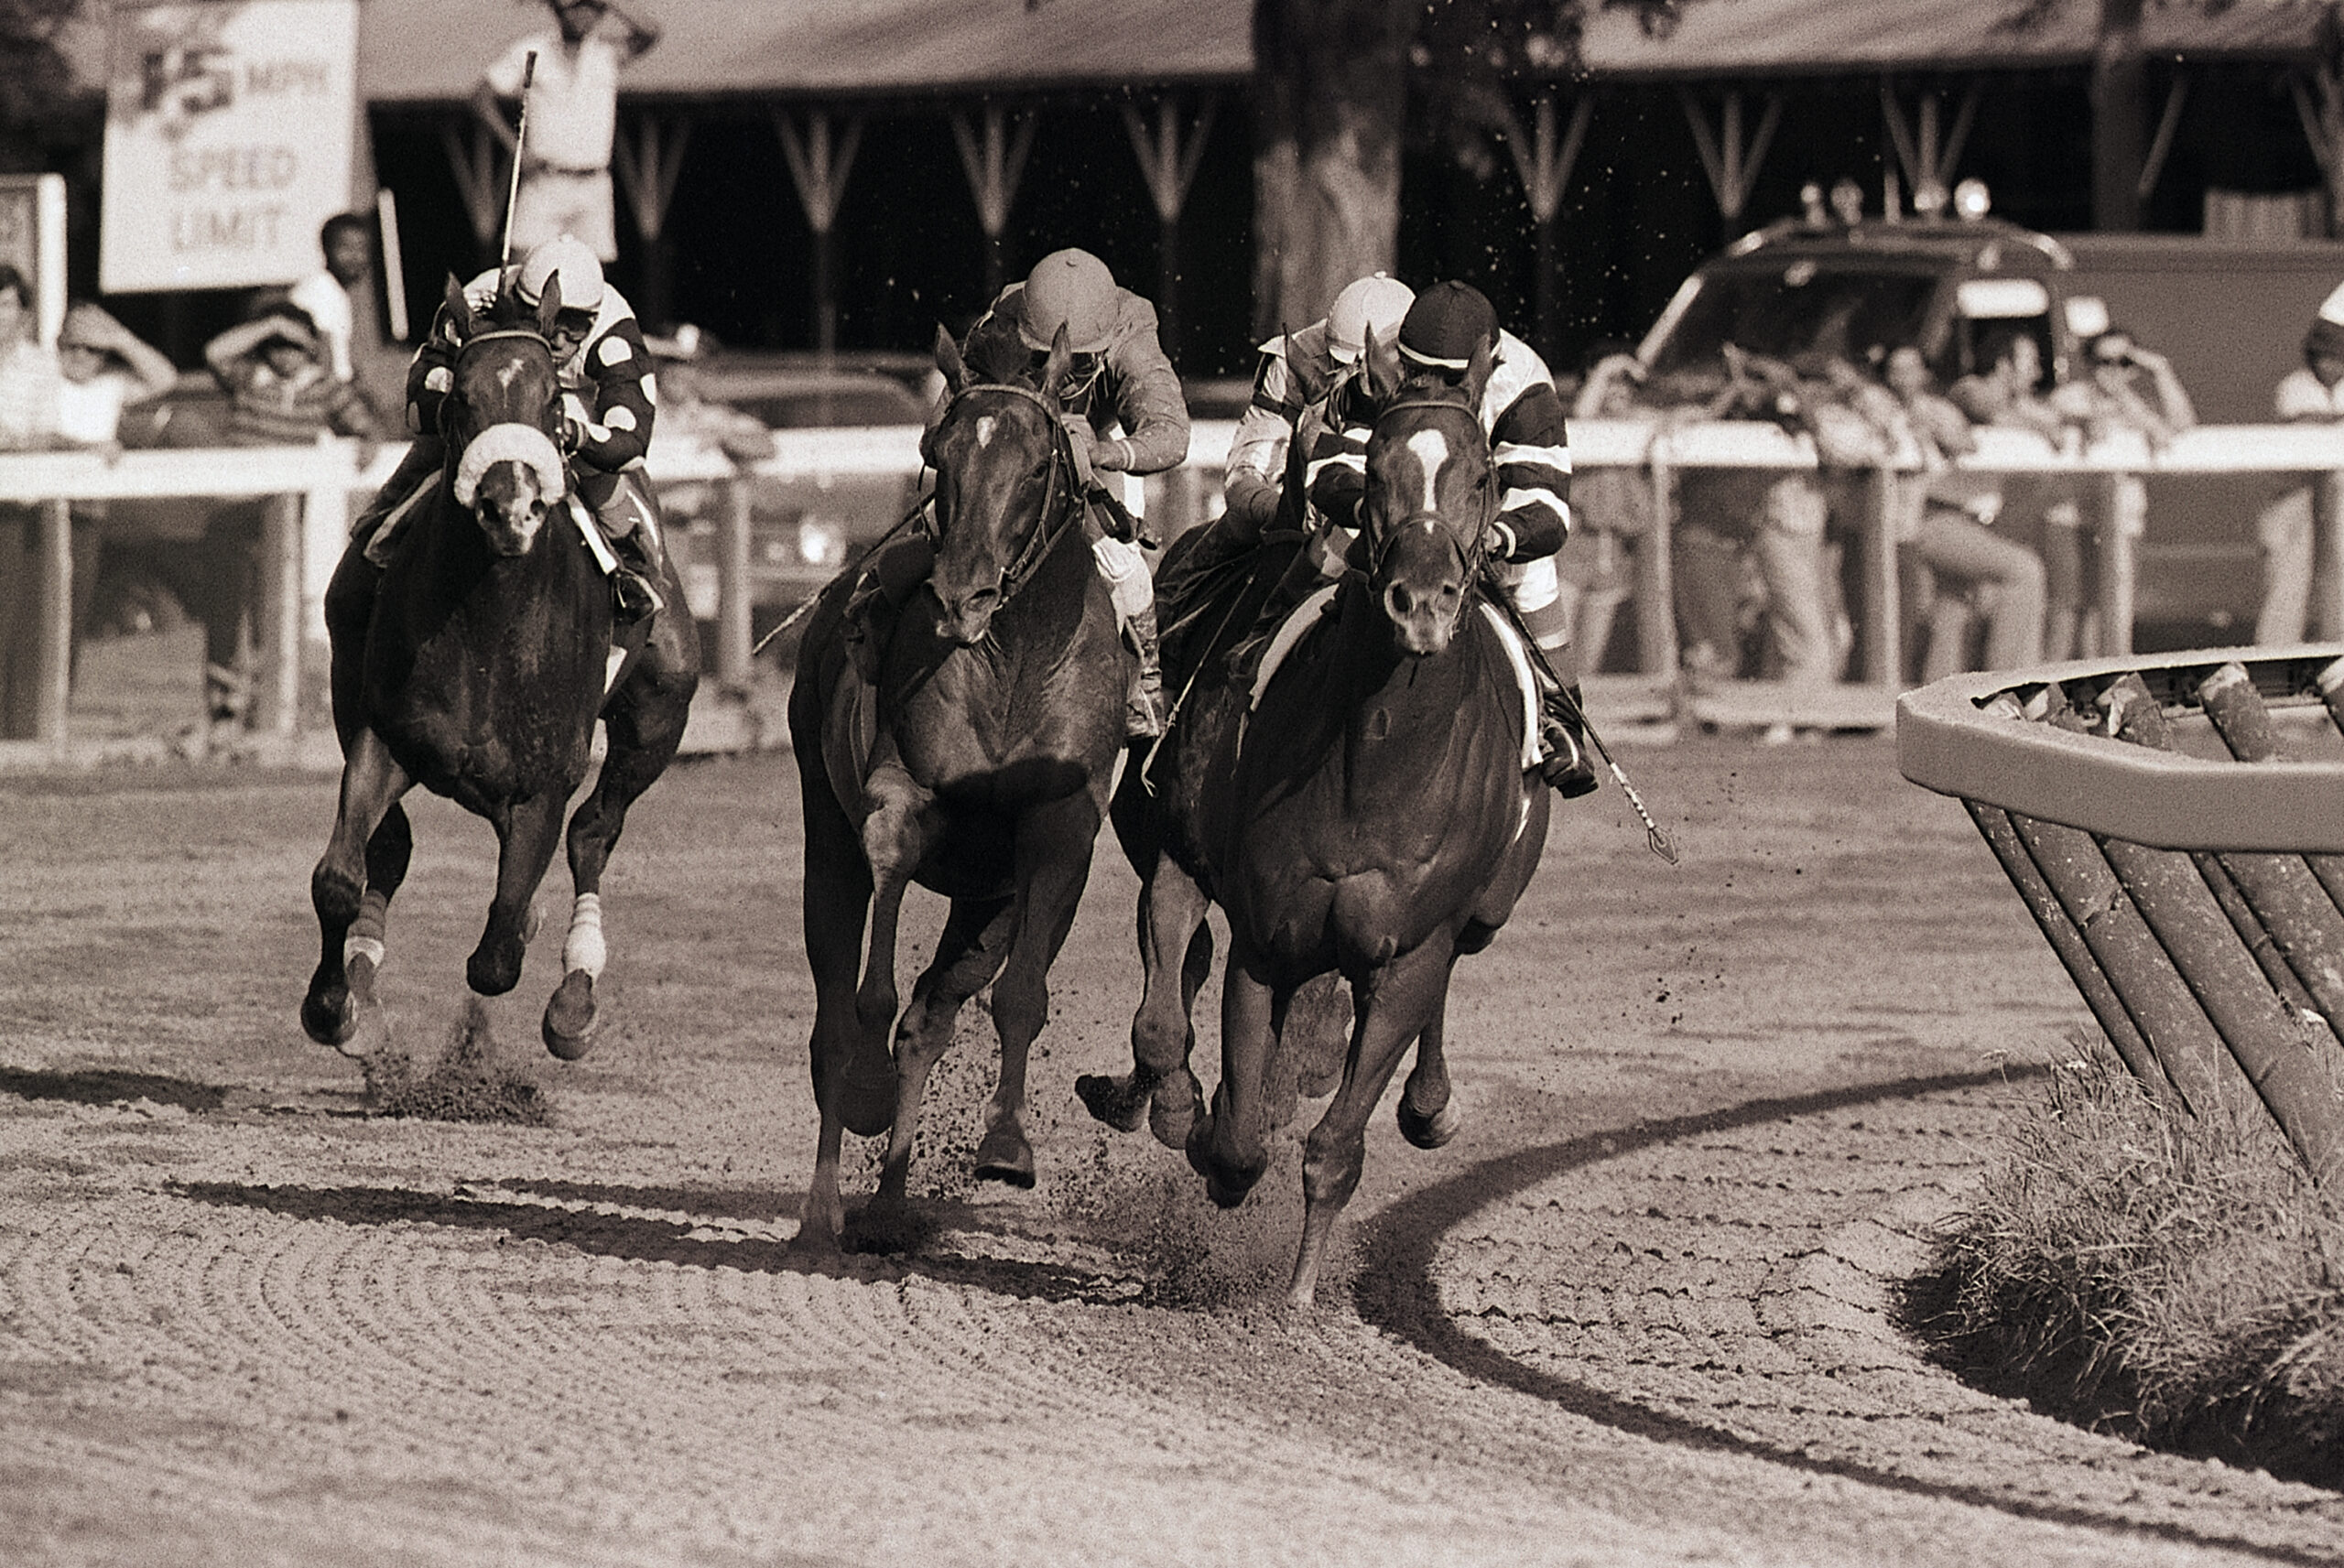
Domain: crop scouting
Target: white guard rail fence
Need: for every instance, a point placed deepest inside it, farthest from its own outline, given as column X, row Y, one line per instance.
column 2175, row 825
column 301, row 543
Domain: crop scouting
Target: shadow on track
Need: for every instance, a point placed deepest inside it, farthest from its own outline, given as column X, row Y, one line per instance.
column 680, row 1238
column 99, row 1086
column 1395, row 1290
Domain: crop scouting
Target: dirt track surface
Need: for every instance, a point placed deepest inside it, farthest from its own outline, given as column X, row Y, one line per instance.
column 1635, row 1313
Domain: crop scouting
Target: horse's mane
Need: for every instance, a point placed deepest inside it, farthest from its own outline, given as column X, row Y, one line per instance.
column 997, row 355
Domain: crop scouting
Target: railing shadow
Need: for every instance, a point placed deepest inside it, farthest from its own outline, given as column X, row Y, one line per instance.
column 104, row 1085
column 682, row 1241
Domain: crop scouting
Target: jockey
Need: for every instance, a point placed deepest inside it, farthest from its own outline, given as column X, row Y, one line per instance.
column 1531, row 452
column 609, row 400
column 1120, row 380
column 1296, row 370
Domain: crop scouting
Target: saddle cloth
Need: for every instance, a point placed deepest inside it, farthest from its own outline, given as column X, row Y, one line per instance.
column 1297, row 624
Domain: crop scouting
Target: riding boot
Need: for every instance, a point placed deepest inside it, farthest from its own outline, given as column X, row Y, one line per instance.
column 1305, row 574
column 1563, row 759
column 888, row 577
column 377, row 526
column 1144, row 716
column 627, row 525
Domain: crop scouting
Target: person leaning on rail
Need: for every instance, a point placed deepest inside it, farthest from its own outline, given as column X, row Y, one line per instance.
column 609, row 396
column 1530, row 448
column 1120, row 380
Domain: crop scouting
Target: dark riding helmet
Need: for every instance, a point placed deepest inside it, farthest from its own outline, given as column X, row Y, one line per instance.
column 1448, row 322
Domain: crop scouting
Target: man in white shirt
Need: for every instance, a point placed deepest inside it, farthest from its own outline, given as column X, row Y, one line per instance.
column 2286, row 530
column 572, row 120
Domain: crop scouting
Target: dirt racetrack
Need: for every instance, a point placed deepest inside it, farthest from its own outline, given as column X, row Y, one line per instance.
column 1633, row 1314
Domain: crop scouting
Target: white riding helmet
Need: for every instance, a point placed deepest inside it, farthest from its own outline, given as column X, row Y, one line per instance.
column 1069, row 288
column 572, row 260
column 1378, row 303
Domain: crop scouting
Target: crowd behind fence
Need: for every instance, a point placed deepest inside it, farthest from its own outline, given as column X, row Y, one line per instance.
column 300, row 547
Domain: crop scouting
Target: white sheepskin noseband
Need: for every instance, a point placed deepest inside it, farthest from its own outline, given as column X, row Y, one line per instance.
column 510, row 444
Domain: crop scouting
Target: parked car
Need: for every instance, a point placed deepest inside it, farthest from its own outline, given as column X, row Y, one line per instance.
column 802, row 531
column 1858, row 291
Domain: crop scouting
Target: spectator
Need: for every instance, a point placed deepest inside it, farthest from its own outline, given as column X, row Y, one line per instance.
column 572, row 114
column 102, row 368
column 2125, row 386
column 2009, row 393
column 2290, row 610
column 281, row 391
column 1610, row 507
column 28, row 373
column 1953, row 537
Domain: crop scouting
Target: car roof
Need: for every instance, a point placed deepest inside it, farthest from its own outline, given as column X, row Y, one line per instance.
column 1984, row 245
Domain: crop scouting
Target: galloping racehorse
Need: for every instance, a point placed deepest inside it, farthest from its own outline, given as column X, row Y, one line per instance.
column 476, row 668
column 1370, row 815
column 979, row 767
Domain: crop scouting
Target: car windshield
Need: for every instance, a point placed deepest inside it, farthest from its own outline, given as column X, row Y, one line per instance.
column 1795, row 308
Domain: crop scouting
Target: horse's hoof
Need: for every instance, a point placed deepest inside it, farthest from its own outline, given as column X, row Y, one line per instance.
column 1430, row 1131
column 1119, row 1102
column 329, row 1019
column 867, row 1096
column 1175, row 1107
column 1004, row 1155
column 1228, row 1194
column 571, row 1024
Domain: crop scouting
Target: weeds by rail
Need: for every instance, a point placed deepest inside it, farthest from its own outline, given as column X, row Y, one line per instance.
column 2177, row 1281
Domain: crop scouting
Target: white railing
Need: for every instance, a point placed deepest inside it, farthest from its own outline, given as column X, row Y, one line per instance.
column 301, row 544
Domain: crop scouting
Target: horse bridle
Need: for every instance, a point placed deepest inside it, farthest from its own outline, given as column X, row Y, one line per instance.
column 1470, row 557
column 1046, row 531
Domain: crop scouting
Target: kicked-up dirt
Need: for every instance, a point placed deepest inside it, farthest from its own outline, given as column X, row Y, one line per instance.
column 1636, row 1312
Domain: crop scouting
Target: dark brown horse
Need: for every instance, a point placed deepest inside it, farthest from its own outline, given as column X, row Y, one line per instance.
column 979, row 767
column 1370, row 817
column 477, row 667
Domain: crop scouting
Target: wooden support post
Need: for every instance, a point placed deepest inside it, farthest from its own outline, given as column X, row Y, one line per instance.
column 1886, row 499
column 53, row 661
column 2117, row 569
column 732, row 585
column 2067, row 942
column 2244, row 725
column 2280, row 912
column 276, row 618
column 1656, row 651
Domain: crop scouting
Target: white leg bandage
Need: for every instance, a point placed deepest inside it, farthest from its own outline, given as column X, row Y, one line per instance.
column 584, row 949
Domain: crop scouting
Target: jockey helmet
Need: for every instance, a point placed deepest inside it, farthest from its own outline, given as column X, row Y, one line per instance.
column 572, row 260
column 1073, row 289
column 1374, row 303
column 1446, row 324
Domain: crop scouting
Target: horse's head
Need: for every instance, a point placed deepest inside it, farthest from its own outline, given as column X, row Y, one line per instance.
column 1004, row 474
column 503, row 415
column 1431, row 493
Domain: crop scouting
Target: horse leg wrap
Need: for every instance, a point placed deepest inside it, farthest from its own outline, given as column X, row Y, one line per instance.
column 584, row 949
column 364, row 937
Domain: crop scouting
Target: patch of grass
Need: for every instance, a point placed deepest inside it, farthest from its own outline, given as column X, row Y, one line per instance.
column 2175, row 1281
column 466, row 1084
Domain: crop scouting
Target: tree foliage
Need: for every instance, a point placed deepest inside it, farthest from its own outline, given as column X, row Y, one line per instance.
column 1471, row 58
column 35, row 80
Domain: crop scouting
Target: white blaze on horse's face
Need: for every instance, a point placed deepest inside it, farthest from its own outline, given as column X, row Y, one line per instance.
column 1430, row 448
column 984, row 431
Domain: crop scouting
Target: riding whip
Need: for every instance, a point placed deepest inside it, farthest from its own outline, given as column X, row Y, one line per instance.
column 1655, row 839
column 520, row 143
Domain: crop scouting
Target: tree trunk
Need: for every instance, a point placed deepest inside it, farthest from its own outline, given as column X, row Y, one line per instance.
column 2120, row 117
column 1330, row 89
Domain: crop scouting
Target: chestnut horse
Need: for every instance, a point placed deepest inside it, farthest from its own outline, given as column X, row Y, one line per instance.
column 978, row 766
column 1370, row 816
column 477, row 667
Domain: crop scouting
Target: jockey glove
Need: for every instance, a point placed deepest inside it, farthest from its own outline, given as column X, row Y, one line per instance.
column 1111, row 457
